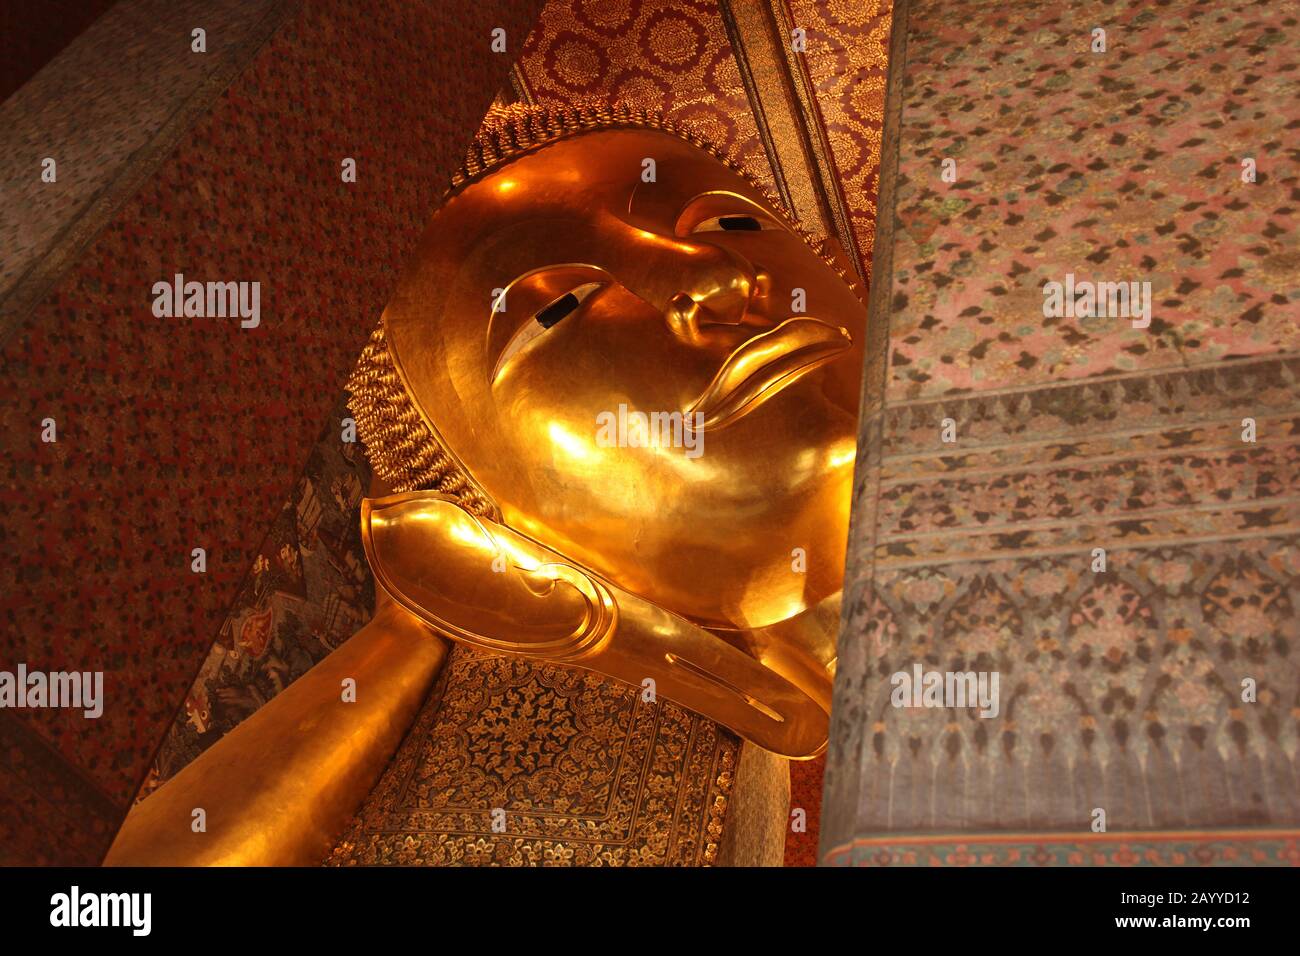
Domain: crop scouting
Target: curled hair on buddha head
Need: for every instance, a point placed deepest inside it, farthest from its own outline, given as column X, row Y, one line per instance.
column 402, row 445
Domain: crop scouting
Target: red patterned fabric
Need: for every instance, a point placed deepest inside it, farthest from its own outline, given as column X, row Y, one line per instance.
column 184, row 433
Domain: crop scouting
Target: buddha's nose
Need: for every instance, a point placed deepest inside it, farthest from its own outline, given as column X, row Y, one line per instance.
column 723, row 293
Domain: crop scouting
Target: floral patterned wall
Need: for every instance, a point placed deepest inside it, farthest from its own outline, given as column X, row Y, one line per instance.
column 671, row 55
column 848, row 60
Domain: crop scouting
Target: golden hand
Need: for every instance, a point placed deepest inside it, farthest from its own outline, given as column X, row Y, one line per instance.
column 485, row 584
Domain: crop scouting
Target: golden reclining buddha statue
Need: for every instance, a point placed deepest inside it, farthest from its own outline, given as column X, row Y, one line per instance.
column 611, row 411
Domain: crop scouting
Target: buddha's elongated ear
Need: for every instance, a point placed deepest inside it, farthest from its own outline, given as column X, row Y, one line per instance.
column 480, row 582
column 485, row 584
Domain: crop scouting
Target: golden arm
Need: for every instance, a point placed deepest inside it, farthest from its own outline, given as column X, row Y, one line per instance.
column 280, row 788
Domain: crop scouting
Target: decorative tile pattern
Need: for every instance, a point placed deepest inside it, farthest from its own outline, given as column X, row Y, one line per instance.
column 848, row 59
column 670, row 55
column 1119, row 462
column 585, row 773
column 1119, row 690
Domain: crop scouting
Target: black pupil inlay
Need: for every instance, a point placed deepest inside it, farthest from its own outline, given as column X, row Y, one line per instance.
column 736, row 223
column 557, row 310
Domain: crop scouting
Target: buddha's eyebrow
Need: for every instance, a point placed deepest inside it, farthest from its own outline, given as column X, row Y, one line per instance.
column 631, row 196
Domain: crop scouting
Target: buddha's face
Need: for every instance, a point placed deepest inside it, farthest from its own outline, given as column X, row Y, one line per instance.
column 683, row 296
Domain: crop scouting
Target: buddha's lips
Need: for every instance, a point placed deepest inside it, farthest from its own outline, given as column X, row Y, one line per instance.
column 763, row 366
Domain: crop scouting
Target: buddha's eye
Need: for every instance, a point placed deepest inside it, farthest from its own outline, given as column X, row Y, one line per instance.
column 557, row 310
column 545, row 318
column 737, row 223
column 565, row 304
